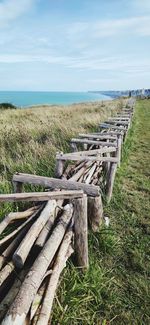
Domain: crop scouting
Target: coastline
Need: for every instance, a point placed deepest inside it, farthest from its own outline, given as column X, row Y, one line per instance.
column 32, row 98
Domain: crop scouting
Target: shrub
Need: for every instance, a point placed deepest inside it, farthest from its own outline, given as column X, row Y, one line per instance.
column 7, row 106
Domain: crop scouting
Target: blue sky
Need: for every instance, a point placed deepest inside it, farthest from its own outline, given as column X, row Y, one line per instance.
column 74, row 45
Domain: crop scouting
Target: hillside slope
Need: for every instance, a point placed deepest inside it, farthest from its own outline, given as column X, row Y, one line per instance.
column 115, row 289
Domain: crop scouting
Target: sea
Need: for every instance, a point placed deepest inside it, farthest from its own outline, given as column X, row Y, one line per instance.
column 29, row 98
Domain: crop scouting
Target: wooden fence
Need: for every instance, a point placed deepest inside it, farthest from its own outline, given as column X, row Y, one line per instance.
column 44, row 236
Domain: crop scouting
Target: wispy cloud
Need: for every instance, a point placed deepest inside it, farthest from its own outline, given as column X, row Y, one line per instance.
column 107, row 28
column 12, row 9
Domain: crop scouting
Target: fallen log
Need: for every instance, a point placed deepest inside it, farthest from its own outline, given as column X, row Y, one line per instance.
column 116, row 122
column 13, row 216
column 97, row 136
column 95, row 212
column 97, row 143
column 39, row 297
column 87, row 158
column 39, row 196
column 110, row 126
column 18, row 310
column 16, row 231
column 94, row 151
column 90, row 174
column 6, row 272
column 55, row 183
column 64, row 253
column 81, row 232
column 119, row 118
column 5, row 257
column 46, row 229
column 77, row 175
column 20, row 255
column 9, row 298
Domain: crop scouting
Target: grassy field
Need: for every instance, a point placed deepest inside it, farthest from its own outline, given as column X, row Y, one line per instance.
column 30, row 138
column 115, row 288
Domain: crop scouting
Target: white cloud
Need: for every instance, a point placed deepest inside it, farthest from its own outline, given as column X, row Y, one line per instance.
column 120, row 64
column 12, row 9
column 139, row 25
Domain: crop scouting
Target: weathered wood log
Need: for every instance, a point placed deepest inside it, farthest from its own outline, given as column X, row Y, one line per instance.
column 6, row 272
column 81, row 232
column 87, row 158
column 90, row 174
column 97, row 136
column 67, row 171
column 73, row 147
column 64, row 253
column 59, row 168
column 118, row 152
column 113, row 132
column 110, row 181
column 110, row 126
column 93, row 152
column 16, row 231
column 12, row 216
column 124, row 115
column 118, row 123
column 98, row 143
column 55, row 183
column 95, row 212
column 20, row 255
column 5, row 257
column 77, row 175
column 119, row 118
column 9, row 298
column 39, row 296
column 18, row 310
column 46, row 229
column 39, row 196
column 17, row 187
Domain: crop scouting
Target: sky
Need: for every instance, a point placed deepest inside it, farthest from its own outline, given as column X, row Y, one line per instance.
column 74, row 45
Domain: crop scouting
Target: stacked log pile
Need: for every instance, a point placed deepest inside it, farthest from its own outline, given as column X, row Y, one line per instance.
column 34, row 254
column 101, row 154
column 41, row 239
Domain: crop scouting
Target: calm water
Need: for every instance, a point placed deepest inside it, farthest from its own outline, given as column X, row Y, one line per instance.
column 27, row 98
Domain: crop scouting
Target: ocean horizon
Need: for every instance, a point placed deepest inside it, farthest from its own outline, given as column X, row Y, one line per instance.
column 30, row 98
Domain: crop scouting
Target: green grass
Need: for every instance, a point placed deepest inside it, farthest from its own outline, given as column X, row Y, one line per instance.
column 115, row 288
column 30, row 138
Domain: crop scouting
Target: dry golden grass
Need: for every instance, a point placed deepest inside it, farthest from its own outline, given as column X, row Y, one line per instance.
column 29, row 138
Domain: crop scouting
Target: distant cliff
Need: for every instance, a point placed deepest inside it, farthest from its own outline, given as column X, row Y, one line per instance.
column 120, row 93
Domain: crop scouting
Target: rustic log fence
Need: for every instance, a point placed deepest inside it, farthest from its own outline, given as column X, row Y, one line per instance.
column 35, row 251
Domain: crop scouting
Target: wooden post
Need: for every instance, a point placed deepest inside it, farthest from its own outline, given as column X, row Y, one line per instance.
column 59, row 168
column 81, row 232
column 95, row 212
column 17, row 187
column 118, row 151
column 73, row 147
column 110, row 181
column 85, row 146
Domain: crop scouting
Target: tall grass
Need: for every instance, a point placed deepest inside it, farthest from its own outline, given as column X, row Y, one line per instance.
column 29, row 138
column 115, row 289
